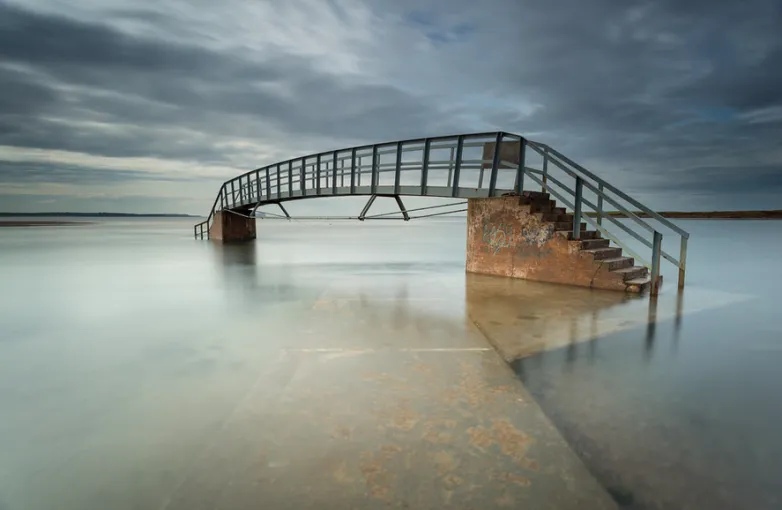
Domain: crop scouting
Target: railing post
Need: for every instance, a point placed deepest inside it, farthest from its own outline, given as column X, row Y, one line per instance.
column 577, row 209
column 495, row 164
column 682, row 261
column 222, row 197
column 258, row 185
column 334, row 174
column 425, row 167
column 545, row 169
column 279, row 181
column 374, row 176
column 398, row 168
column 233, row 194
column 360, row 169
column 290, row 178
column 353, row 171
column 303, row 176
column 450, row 168
column 317, row 174
column 268, row 185
column 457, row 166
column 600, row 204
column 656, row 249
column 520, row 169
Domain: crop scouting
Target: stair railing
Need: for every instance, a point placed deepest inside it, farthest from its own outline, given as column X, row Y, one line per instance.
column 638, row 228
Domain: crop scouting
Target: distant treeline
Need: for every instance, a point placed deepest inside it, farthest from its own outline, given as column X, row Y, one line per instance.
column 714, row 215
column 93, row 215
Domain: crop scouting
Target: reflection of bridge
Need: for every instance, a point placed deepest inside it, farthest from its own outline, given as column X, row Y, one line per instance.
column 475, row 167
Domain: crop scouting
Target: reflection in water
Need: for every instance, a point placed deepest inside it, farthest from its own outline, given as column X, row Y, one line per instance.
column 663, row 433
column 522, row 318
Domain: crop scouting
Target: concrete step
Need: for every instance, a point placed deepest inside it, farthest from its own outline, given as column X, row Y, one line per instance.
column 552, row 217
column 618, row 263
column 605, row 253
column 590, row 244
column 545, row 206
column 567, row 225
column 584, row 234
column 632, row 272
column 536, row 195
column 639, row 285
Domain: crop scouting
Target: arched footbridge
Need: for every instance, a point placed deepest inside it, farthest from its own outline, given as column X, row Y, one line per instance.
column 507, row 182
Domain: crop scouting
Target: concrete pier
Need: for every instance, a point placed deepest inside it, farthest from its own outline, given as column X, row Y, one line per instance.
column 228, row 226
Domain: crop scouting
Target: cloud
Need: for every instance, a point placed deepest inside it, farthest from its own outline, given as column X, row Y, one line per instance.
column 654, row 96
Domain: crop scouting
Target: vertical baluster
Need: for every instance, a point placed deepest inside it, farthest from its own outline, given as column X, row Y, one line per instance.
column 577, row 209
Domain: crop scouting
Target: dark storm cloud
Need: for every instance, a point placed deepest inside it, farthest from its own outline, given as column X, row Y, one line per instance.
column 683, row 95
column 14, row 172
column 155, row 84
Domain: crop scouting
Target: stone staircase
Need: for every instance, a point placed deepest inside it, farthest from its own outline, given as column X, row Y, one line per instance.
column 538, row 244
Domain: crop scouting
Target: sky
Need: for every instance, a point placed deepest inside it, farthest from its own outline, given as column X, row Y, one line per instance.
column 148, row 106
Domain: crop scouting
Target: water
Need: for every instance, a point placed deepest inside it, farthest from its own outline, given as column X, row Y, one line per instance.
column 125, row 346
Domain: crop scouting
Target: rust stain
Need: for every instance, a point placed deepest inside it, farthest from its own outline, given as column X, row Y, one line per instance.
column 389, row 450
column 530, row 464
column 512, row 478
column 452, row 481
column 404, row 418
column 480, row 437
column 499, row 390
column 512, row 442
column 444, row 462
column 378, row 479
column 437, row 437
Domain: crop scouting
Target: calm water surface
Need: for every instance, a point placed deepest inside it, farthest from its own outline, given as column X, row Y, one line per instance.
column 124, row 345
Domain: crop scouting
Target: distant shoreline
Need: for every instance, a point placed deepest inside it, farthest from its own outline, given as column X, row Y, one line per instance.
column 93, row 215
column 33, row 223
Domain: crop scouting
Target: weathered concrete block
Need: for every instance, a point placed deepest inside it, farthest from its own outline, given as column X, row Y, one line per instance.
column 505, row 238
column 231, row 227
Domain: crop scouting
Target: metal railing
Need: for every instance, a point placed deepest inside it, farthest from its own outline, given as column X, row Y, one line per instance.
column 644, row 226
column 461, row 166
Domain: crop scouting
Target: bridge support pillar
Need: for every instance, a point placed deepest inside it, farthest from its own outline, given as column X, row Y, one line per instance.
column 527, row 237
column 228, row 226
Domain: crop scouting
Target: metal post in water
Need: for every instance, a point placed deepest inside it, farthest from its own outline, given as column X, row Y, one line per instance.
column 656, row 250
column 682, row 261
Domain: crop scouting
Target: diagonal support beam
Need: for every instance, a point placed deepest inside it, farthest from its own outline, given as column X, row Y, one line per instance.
column 366, row 207
column 287, row 216
column 402, row 207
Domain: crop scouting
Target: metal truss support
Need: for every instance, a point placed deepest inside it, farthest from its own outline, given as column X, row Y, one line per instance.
column 366, row 207
column 287, row 216
column 255, row 209
column 402, row 207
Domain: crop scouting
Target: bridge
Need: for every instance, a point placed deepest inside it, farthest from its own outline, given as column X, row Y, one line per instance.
column 513, row 231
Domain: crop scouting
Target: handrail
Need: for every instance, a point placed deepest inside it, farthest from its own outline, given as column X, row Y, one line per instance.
column 633, row 201
column 601, row 188
column 358, row 170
